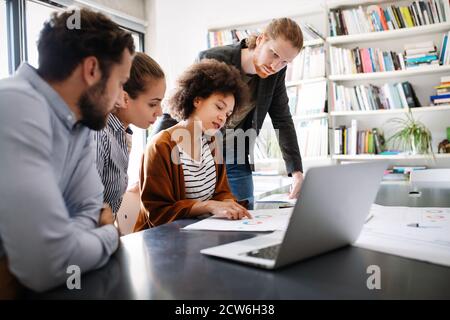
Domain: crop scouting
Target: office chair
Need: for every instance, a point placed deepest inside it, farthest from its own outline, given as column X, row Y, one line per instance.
column 128, row 212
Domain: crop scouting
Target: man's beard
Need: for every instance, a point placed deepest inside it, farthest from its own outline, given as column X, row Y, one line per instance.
column 93, row 106
column 259, row 70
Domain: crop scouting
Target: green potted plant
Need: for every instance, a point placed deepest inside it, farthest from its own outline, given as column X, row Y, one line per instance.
column 411, row 135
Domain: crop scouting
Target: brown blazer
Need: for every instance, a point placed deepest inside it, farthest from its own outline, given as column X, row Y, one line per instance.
column 161, row 183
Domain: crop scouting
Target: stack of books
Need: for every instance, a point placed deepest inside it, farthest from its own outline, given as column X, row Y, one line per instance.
column 421, row 54
column 390, row 175
column 444, row 58
column 399, row 173
column 442, row 92
column 310, row 32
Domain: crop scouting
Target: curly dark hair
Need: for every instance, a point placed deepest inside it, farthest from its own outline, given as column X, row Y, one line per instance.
column 203, row 79
column 62, row 49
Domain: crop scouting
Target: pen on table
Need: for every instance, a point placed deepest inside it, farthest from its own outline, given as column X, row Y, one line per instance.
column 369, row 218
column 417, row 225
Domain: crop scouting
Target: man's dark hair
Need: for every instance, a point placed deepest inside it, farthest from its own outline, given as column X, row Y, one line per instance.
column 61, row 49
column 203, row 79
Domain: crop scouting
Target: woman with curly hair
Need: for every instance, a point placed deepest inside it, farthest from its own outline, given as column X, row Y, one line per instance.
column 181, row 174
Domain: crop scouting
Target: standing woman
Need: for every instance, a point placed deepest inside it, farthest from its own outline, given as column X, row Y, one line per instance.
column 180, row 175
column 139, row 105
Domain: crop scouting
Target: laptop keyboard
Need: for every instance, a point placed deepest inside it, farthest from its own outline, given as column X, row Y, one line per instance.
column 265, row 253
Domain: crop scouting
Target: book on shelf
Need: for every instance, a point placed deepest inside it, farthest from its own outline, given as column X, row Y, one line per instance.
column 366, row 97
column 225, row 37
column 441, row 99
column 353, row 137
column 311, row 98
column 351, row 141
column 310, row 32
column 235, row 35
column 313, row 137
column 310, row 63
column 389, row 175
column 407, row 169
column 364, row 60
column 420, row 53
column 401, row 173
column 444, row 57
column 292, row 96
column 442, row 92
column 375, row 18
column 390, row 153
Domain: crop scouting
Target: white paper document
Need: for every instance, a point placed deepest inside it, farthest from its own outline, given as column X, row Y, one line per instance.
column 263, row 220
column 278, row 198
column 417, row 233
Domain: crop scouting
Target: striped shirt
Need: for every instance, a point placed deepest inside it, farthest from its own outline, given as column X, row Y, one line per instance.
column 199, row 176
column 113, row 152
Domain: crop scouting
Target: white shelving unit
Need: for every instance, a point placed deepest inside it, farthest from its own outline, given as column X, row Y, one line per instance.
column 418, row 71
column 423, row 79
column 390, row 112
column 315, row 42
column 310, row 116
column 389, row 35
column 316, row 159
column 304, row 81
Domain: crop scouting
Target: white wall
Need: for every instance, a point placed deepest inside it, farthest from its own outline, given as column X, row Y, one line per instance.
column 177, row 30
column 135, row 8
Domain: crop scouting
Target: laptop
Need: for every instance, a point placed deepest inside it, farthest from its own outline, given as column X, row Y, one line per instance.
column 331, row 210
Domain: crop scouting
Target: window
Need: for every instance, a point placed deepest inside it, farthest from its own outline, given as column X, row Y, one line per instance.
column 4, row 63
column 36, row 14
column 137, row 37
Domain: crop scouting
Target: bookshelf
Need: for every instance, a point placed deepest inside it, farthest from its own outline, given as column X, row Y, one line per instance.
column 423, row 79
